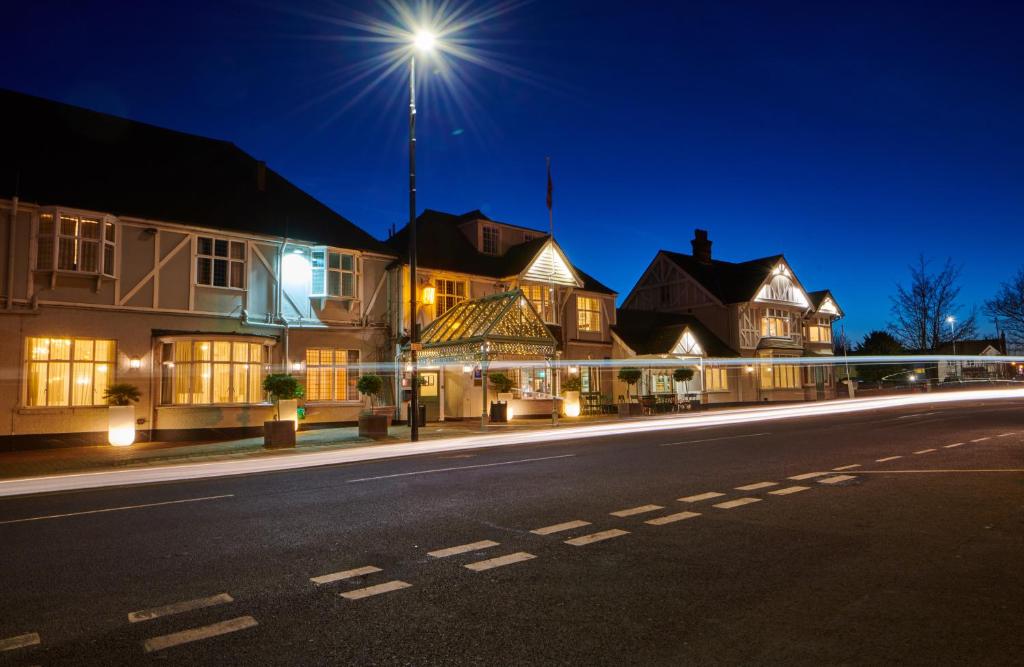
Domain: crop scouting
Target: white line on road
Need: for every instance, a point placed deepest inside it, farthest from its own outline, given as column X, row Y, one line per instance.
column 808, row 475
column 462, row 548
column 955, row 444
column 888, row 472
column 918, row 414
column 346, row 574
column 888, row 458
column 559, row 527
column 727, row 437
column 982, row 439
column 479, row 465
column 195, row 634
column 836, row 479
column 739, row 502
column 370, row 591
column 671, row 518
column 179, row 607
column 849, row 467
column 756, row 486
column 21, row 641
column 596, row 537
column 643, row 509
column 701, row 496
column 117, row 509
column 788, row 490
column 925, row 451
column 492, row 563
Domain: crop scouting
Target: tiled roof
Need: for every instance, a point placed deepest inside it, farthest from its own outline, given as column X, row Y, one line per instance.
column 650, row 332
column 58, row 154
column 729, row 282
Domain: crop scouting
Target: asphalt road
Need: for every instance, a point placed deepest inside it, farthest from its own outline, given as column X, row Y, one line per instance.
column 912, row 560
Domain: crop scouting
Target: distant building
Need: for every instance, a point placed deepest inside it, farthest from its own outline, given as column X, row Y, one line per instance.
column 973, row 369
column 703, row 309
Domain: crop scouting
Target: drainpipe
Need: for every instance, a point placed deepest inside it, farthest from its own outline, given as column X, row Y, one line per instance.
column 10, row 254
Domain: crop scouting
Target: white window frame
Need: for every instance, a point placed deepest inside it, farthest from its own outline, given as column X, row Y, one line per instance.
column 171, row 369
column 815, row 329
column 321, row 259
column 776, row 315
column 351, row 368
column 98, row 367
column 229, row 260
column 106, row 266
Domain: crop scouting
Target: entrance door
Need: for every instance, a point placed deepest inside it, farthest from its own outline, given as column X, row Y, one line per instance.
column 429, row 394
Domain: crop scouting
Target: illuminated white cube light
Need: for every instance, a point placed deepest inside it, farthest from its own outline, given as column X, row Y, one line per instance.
column 288, row 410
column 121, row 425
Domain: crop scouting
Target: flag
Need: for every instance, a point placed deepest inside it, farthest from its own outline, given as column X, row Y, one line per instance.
column 550, row 187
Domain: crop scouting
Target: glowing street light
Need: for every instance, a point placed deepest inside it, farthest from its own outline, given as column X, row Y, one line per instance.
column 424, row 41
column 952, row 332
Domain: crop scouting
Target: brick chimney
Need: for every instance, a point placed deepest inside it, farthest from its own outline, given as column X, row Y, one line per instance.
column 701, row 246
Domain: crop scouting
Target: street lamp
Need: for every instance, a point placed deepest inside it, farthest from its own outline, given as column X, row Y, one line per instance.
column 952, row 332
column 423, row 41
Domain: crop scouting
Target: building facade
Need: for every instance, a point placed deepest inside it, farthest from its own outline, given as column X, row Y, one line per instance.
column 699, row 308
column 175, row 263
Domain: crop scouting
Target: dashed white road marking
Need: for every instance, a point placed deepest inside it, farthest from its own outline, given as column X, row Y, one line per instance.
column 462, row 548
column 849, row 467
column 596, row 537
column 727, row 437
column 195, row 634
column 179, row 607
column 492, row 563
column 925, row 451
column 643, row 509
column 559, row 527
column 117, row 509
column 701, row 496
column 739, row 502
column 346, row 574
column 809, row 475
column 934, row 470
column 836, row 479
column 671, row 518
column 370, row 591
column 982, row 439
column 756, row 486
column 955, row 444
column 21, row 641
column 479, row 465
column 788, row 490
column 888, row 458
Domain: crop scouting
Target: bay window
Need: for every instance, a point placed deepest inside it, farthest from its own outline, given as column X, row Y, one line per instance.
column 331, row 374
column 71, row 242
column 68, row 371
column 820, row 330
column 775, row 323
column 335, row 273
column 220, row 262
column 209, row 372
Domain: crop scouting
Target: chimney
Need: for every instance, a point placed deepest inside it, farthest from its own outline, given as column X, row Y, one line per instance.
column 261, row 176
column 701, row 246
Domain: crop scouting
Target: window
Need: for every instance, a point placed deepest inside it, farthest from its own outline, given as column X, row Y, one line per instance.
column 541, row 298
column 220, row 262
column 207, row 372
column 588, row 313
column 775, row 323
column 590, row 380
column 716, row 378
column 70, row 242
column 820, row 330
column 489, row 236
column 449, row 294
column 662, row 382
column 68, row 371
column 331, row 374
column 780, row 376
column 335, row 273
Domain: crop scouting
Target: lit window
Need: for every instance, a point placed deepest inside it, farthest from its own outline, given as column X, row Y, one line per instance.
column 820, row 330
column 220, row 262
column 540, row 297
column 207, row 372
column 331, row 374
column 590, row 380
column 775, row 323
column 716, row 379
column 490, row 236
column 588, row 313
column 75, row 243
column 68, row 371
column 662, row 382
column 335, row 273
column 449, row 294
column 779, row 376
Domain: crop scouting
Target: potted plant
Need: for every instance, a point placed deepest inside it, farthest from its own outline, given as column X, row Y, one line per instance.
column 372, row 425
column 503, row 386
column 630, row 376
column 121, row 413
column 285, row 390
column 571, row 392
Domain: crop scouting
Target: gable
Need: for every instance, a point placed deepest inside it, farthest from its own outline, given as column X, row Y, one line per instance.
column 781, row 286
column 687, row 345
column 550, row 265
column 664, row 285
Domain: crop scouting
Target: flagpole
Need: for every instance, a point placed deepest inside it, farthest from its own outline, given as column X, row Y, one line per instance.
column 553, row 368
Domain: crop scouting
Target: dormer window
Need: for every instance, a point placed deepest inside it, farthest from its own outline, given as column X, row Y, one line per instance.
column 489, row 237
column 70, row 242
column 335, row 273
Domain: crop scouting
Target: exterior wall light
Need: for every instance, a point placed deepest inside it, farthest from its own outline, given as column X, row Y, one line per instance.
column 429, row 295
column 134, row 363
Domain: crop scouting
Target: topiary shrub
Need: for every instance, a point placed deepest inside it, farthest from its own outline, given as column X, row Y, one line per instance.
column 282, row 387
column 370, row 386
column 630, row 376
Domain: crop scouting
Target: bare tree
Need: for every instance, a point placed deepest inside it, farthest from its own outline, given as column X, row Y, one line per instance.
column 920, row 310
column 1008, row 308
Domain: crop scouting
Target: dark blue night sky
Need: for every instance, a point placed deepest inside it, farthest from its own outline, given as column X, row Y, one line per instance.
column 849, row 136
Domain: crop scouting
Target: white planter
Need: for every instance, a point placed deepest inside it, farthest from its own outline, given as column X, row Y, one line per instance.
column 121, row 425
column 288, row 410
column 571, row 403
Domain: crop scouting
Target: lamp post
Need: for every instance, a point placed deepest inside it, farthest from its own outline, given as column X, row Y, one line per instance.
column 423, row 41
column 952, row 332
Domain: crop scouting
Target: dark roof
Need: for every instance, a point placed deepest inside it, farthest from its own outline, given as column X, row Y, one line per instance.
column 729, row 282
column 976, row 346
column 651, row 332
column 57, row 154
column 818, row 296
column 441, row 245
